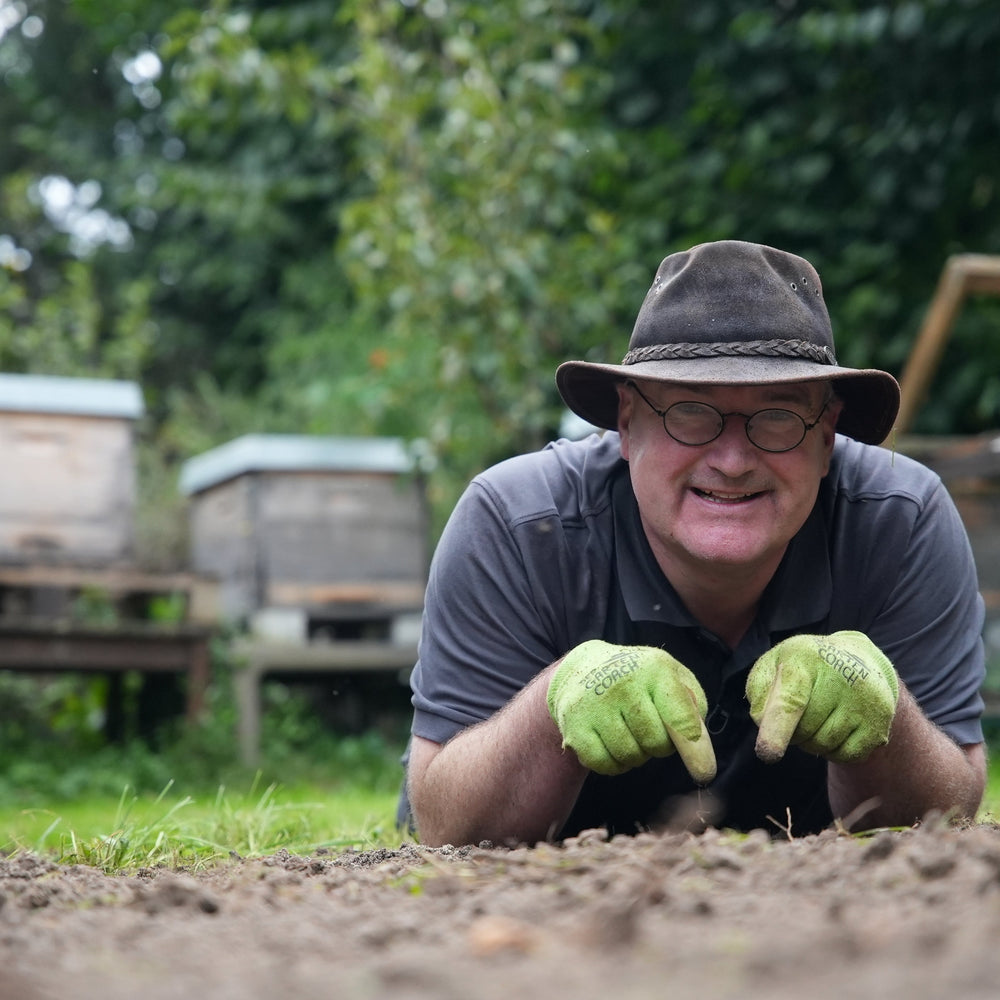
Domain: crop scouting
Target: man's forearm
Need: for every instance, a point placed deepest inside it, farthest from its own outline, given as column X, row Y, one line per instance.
column 505, row 779
column 920, row 769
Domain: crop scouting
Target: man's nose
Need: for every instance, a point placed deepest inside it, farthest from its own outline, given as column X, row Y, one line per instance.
column 732, row 452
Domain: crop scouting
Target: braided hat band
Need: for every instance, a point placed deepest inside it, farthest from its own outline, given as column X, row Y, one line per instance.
column 734, row 349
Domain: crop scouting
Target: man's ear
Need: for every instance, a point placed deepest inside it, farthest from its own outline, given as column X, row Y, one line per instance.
column 828, row 426
column 626, row 403
column 829, row 423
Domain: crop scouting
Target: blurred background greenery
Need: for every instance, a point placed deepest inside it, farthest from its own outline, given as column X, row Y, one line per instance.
column 396, row 217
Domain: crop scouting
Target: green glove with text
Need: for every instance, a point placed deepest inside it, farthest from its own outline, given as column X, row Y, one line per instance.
column 833, row 695
column 617, row 706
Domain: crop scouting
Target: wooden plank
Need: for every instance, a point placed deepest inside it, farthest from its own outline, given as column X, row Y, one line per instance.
column 41, row 646
column 71, row 652
column 324, row 657
column 378, row 593
column 111, row 578
column 202, row 592
column 261, row 658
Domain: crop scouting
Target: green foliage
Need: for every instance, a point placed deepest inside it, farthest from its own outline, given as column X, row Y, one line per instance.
column 33, row 715
column 852, row 151
column 54, row 748
column 378, row 217
column 481, row 249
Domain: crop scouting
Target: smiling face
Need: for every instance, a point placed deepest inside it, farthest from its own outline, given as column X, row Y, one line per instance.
column 725, row 504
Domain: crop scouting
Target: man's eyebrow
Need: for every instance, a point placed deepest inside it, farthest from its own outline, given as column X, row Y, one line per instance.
column 789, row 393
column 779, row 392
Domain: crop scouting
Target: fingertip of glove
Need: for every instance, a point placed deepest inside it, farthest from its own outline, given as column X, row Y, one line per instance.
column 767, row 751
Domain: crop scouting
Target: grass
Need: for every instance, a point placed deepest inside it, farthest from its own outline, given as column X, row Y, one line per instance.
column 178, row 829
column 990, row 810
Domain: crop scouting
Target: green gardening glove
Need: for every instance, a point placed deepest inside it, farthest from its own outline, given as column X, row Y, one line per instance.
column 833, row 695
column 617, row 706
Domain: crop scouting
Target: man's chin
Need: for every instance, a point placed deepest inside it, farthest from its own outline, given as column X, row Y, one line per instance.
column 733, row 552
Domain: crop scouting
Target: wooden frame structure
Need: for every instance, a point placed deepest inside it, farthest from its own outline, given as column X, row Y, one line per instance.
column 258, row 659
column 40, row 634
column 963, row 275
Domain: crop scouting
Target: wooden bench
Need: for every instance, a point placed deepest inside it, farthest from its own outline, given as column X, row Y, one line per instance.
column 256, row 658
column 65, row 619
column 33, row 644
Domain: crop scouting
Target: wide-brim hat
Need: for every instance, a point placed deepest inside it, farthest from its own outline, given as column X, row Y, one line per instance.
column 734, row 313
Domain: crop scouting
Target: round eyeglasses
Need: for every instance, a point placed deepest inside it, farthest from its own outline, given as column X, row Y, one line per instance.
column 693, row 423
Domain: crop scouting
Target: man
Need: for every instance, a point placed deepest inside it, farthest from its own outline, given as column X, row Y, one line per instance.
column 734, row 605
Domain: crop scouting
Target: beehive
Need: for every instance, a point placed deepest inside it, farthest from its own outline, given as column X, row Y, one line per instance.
column 67, row 493
column 332, row 526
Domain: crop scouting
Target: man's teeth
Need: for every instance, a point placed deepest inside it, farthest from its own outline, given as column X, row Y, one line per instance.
column 724, row 497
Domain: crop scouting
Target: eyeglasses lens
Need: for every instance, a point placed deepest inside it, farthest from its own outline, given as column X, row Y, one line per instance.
column 698, row 423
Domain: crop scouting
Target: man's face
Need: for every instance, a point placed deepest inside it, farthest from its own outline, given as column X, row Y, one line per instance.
column 726, row 503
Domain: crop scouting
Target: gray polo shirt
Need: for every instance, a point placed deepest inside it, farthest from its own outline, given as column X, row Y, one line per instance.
column 546, row 550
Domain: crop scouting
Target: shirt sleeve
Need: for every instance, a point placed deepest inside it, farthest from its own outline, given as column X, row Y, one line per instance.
column 484, row 632
column 930, row 626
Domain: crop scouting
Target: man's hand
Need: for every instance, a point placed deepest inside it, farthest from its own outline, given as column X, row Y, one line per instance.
column 833, row 695
column 617, row 706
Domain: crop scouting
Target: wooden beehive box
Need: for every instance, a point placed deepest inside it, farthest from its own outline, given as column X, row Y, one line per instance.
column 67, row 492
column 332, row 527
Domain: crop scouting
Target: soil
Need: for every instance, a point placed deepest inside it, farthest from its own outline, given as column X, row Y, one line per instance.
column 913, row 913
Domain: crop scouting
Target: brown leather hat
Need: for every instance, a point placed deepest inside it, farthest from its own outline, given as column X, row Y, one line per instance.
column 734, row 313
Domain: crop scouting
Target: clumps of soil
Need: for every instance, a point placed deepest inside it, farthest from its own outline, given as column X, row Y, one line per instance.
column 912, row 914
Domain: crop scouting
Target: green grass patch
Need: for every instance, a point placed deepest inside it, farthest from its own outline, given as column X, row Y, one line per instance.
column 175, row 829
column 990, row 810
column 178, row 830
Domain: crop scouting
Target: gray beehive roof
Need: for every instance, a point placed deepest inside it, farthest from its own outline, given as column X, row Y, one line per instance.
column 292, row 453
column 93, row 397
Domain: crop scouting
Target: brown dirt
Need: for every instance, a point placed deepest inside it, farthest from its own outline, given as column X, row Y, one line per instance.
column 912, row 914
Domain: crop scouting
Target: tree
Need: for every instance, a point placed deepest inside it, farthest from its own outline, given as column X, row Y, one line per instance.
column 65, row 305
column 861, row 135
column 489, row 236
column 398, row 216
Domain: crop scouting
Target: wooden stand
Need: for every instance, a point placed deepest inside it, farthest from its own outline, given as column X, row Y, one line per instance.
column 257, row 658
column 33, row 644
column 41, row 628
